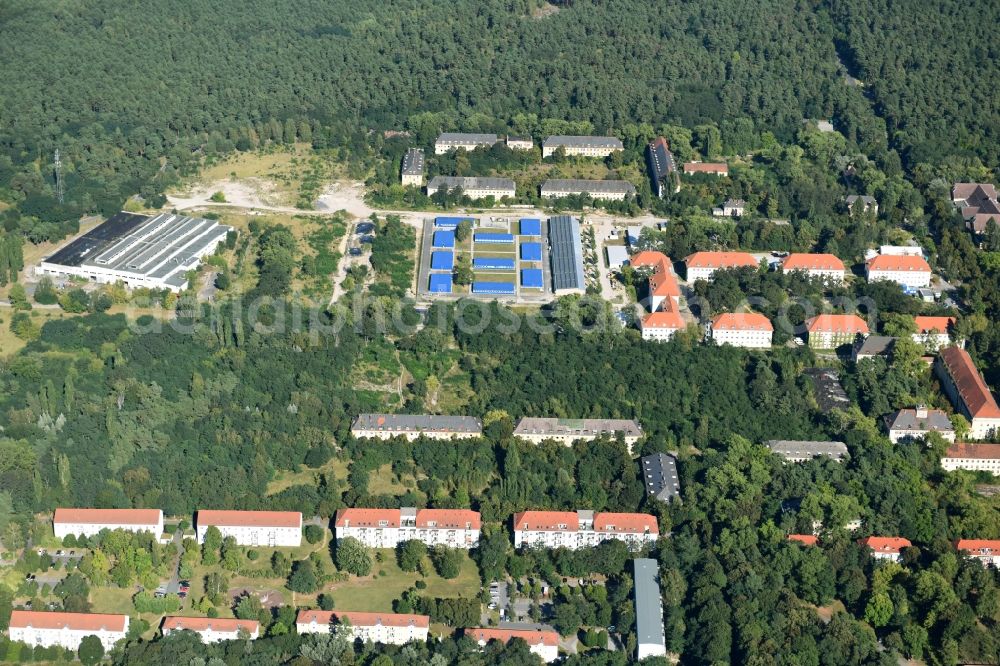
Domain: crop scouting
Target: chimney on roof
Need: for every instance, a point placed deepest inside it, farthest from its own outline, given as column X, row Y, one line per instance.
column 921, row 411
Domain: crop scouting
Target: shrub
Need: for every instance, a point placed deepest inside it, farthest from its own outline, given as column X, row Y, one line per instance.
column 314, row 533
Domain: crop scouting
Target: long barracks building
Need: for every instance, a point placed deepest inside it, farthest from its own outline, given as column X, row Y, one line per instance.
column 412, row 426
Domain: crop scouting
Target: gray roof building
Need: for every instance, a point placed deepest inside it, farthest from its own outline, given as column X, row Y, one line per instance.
column 800, row 451
column 472, row 184
column 419, row 423
column 872, row 346
column 560, row 187
column 576, row 428
column 604, row 142
column 465, row 138
column 413, row 162
column 659, row 473
column 829, row 392
column 566, row 255
column 650, row 634
column 918, row 422
column 139, row 250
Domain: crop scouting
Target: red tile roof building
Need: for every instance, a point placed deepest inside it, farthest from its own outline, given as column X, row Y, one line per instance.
column 714, row 168
column 973, row 457
column 906, row 270
column 886, row 548
column 664, row 318
column 742, row 329
column 253, row 528
column 702, row 265
column 827, row 331
column 804, row 539
column 543, row 643
column 213, row 629
column 826, row 266
column 933, row 332
column 66, row 629
column 968, row 392
column 582, row 529
column 89, row 522
column 986, row 551
column 386, row 628
column 387, row 528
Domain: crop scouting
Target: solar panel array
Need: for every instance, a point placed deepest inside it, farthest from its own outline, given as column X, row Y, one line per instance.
column 566, row 253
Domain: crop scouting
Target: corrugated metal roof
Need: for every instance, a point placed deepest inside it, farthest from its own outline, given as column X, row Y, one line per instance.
column 648, row 603
column 566, row 254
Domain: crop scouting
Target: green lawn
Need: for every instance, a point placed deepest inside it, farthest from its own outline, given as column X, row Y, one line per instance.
column 501, row 276
column 376, row 593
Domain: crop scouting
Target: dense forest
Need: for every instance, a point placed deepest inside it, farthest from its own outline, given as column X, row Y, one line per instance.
column 134, row 97
column 210, row 410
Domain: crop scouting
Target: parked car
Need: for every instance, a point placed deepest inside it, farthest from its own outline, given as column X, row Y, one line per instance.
column 355, row 252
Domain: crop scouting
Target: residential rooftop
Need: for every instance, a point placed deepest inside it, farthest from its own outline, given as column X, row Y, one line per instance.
column 794, row 449
column 588, row 186
column 973, row 451
column 466, row 137
column 406, row 423
column 920, row 420
column 470, row 183
column 577, row 427
column 659, row 473
column 413, row 162
column 974, row 392
column 614, row 143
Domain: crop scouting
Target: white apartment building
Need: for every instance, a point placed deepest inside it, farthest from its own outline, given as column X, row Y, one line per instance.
column 968, row 392
column 582, row 529
column 387, row 528
column 906, row 270
column 750, row 330
column 660, row 326
column 385, row 628
column 452, row 140
column 544, row 643
column 916, row 423
column 702, row 265
column 413, row 426
column 566, row 431
column 986, row 551
column 474, row 187
column 973, row 457
column 520, row 142
column 611, row 190
column 412, row 172
column 253, row 528
column 886, row 548
column 89, row 522
column 826, row 266
column 212, row 629
column 66, row 630
column 582, row 146
column 932, row 332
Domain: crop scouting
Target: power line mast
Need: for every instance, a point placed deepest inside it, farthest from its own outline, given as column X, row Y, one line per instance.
column 59, row 181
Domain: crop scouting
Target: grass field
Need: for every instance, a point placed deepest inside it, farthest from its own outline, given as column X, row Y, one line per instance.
column 376, row 593
column 304, row 476
column 383, row 482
